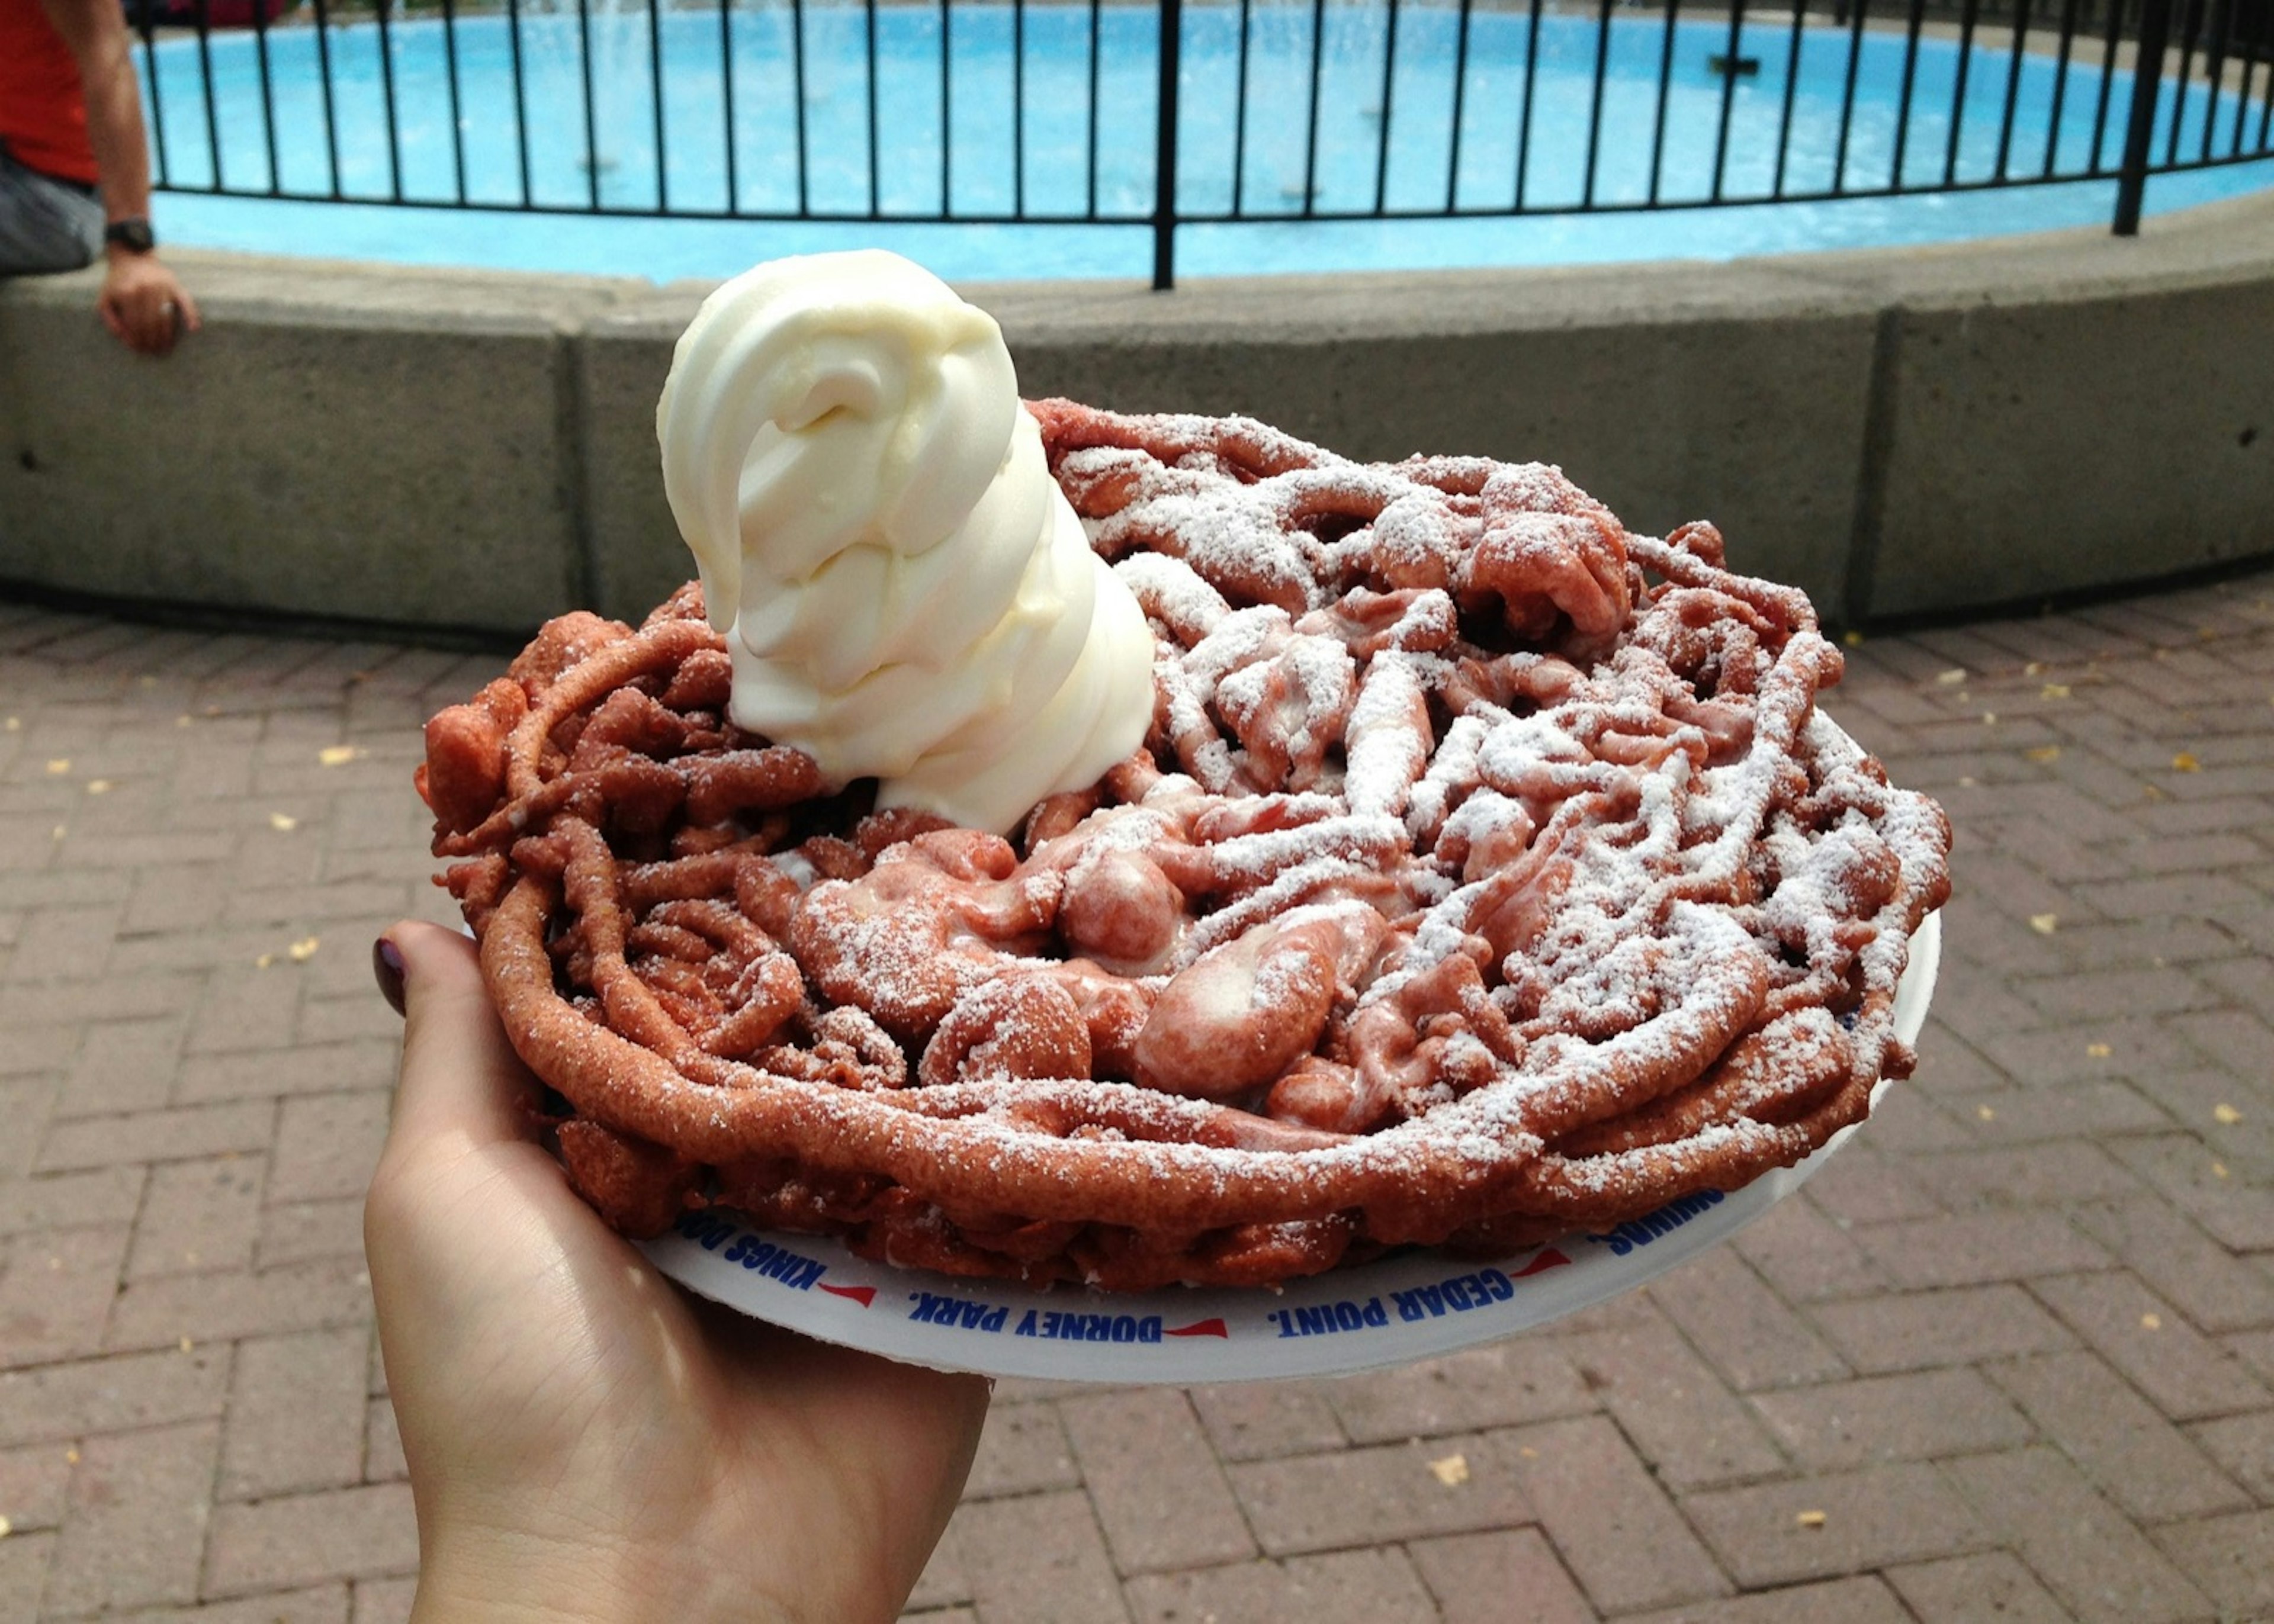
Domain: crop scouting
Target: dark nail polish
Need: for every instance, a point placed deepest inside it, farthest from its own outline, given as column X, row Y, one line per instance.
column 386, row 969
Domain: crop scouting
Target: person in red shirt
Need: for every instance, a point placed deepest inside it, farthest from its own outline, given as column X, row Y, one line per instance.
column 75, row 167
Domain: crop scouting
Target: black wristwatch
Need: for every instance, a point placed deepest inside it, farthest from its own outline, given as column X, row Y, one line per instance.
column 134, row 235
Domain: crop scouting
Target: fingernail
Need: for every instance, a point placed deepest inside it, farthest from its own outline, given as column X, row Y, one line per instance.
column 387, row 970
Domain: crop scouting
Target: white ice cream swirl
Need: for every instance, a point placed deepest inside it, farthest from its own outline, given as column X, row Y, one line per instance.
column 906, row 592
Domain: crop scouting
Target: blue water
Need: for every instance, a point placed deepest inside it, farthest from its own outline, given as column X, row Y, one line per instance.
column 1022, row 140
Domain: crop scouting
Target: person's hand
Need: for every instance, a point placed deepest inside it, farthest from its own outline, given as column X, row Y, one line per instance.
column 585, row 1440
column 143, row 303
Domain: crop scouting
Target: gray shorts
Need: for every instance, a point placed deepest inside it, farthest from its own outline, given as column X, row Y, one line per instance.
column 45, row 224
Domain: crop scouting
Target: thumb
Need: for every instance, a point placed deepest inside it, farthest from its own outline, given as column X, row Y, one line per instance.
column 460, row 1075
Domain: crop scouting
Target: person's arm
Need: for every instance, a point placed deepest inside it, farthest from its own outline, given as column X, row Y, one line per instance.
column 142, row 301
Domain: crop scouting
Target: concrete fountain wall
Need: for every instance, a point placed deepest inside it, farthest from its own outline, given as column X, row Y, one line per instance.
column 1900, row 432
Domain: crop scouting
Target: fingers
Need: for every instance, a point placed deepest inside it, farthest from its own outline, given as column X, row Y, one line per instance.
column 460, row 1076
column 157, row 322
column 147, row 309
column 138, row 310
column 135, row 320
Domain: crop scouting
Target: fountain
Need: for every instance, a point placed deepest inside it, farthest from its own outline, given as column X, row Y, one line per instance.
column 593, row 73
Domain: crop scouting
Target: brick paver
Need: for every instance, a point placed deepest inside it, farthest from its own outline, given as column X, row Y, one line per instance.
column 2012, row 1356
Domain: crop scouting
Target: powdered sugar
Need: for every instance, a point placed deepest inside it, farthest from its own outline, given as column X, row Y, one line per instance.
column 1173, row 595
column 1388, row 737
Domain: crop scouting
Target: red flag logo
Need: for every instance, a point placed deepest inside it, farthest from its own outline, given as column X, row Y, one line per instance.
column 1200, row 1327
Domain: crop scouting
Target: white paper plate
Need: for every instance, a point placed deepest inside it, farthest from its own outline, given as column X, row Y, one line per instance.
column 1408, row 1306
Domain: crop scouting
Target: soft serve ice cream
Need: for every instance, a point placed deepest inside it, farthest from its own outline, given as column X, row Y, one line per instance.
column 905, row 593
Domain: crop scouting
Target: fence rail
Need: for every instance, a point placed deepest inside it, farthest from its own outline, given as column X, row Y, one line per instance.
column 1163, row 113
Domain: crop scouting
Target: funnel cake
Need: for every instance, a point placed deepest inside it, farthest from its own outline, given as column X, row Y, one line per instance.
column 1488, row 873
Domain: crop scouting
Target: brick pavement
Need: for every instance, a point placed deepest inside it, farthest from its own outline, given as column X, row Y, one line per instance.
column 2012, row 1356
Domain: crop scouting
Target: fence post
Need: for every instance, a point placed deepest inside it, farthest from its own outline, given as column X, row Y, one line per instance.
column 1165, row 149
column 2140, row 132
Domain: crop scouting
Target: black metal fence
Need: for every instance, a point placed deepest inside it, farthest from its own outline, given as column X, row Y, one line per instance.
column 1163, row 113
